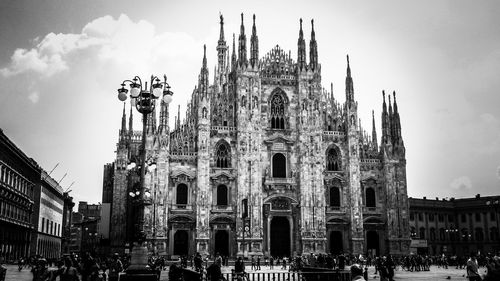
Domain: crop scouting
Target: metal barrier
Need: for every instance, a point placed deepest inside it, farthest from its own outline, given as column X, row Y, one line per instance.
column 317, row 275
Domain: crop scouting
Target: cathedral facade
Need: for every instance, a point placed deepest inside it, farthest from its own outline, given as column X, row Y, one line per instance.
column 265, row 162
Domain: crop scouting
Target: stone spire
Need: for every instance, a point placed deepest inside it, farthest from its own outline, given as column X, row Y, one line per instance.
column 163, row 127
column 349, row 87
column 396, row 121
column 203, row 77
column 233, row 56
column 374, row 132
column 301, row 53
column 313, row 49
column 391, row 125
column 385, row 122
column 221, row 47
column 124, row 120
column 254, row 45
column 242, row 45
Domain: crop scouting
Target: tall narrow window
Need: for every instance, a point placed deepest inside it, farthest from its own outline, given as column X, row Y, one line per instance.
column 332, row 160
column 370, row 197
column 277, row 112
column 222, row 156
column 182, row 194
column 244, row 212
column 422, row 233
column 334, row 196
column 279, row 166
column 222, row 195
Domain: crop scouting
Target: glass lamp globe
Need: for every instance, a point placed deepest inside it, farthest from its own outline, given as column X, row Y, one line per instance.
column 157, row 92
column 122, row 96
column 167, row 98
column 135, row 90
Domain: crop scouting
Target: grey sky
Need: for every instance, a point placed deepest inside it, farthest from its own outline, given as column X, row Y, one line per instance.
column 62, row 61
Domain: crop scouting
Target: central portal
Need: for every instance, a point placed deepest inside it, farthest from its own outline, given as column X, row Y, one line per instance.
column 280, row 237
column 221, row 243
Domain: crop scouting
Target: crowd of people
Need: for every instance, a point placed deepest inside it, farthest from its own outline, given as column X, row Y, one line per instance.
column 88, row 268
column 75, row 267
column 385, row 266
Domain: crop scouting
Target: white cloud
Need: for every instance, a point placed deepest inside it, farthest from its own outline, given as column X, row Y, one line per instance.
column 134, row 45
column 461, row 183
column 34, row 96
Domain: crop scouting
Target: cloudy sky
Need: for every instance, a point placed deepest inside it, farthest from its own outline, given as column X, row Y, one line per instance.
column 62, row 61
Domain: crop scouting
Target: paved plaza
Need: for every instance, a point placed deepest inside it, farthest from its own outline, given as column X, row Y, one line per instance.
column 434, row 274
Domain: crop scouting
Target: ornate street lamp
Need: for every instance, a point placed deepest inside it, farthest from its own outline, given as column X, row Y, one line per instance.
column 144, row 100
column 495, row 204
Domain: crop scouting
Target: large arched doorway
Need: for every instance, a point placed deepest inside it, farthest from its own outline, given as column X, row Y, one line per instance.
column 280, row 237
column 372, row 242
column 181, row 242
column 221, row 243
column 279, row 166
column 336, row 242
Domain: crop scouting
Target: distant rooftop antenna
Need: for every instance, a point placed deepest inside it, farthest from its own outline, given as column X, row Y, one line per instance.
column 53, row 169
column 69, row 187
column 62, row 178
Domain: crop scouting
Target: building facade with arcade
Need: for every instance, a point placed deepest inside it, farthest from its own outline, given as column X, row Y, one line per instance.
column 265, row 161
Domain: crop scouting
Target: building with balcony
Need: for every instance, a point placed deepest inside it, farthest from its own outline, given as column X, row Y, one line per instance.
column 19, row 176
column 265, row 161
column 455, row 226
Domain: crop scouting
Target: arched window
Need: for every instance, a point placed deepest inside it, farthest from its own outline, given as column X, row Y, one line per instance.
column 422, row 233
column 442, row 236
column 432, row 234
column 277, row 112
column 334, row 196
column 370, row 197
column 479, row 234
column 465, row 234
column 493, row 234
column 182, row 194
column 332, row 160
column 279, row 166
column 222, row 156
column 222, row 195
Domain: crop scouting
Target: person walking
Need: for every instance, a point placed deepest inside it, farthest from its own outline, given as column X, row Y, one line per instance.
column 115, row 268
column 258, row 263
column 357, row 273
column 68, row 272
column 41, row 271
column 472, row 268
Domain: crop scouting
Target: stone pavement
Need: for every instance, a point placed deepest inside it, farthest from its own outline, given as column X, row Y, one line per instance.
column 434, row 274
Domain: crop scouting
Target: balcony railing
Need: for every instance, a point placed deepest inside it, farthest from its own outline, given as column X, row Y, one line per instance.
column 181, row 207
column 222, row 209
column 372, row 209
column 290, row 181
column 334, row 209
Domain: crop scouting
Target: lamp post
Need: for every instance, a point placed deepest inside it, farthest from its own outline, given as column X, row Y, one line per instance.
column 452, row 232
column 494, row 203
column 144, row 100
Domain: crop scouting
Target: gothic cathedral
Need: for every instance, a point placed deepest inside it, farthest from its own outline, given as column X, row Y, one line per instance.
column 266, row 162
